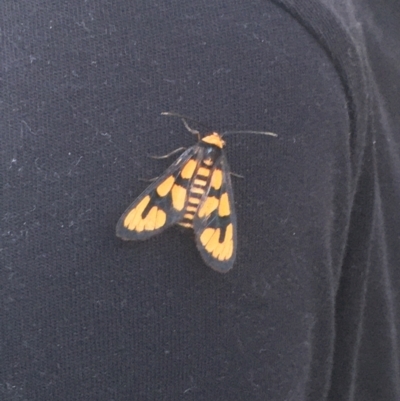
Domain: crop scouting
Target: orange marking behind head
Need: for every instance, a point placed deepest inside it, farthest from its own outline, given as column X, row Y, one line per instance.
column 214, row 139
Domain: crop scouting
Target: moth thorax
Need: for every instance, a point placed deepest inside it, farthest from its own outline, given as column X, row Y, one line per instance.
column 211, row 153
column 208, row 162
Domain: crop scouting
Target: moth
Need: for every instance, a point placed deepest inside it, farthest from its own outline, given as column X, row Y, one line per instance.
column 195, row 192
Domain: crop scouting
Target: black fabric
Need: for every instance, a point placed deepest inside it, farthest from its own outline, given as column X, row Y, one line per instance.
column 310, row 309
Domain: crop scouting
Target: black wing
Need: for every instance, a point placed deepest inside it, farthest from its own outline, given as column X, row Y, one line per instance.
column 163, row 203
column 215, row 221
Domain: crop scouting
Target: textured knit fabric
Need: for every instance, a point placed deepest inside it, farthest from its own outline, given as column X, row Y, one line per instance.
column 310, row 310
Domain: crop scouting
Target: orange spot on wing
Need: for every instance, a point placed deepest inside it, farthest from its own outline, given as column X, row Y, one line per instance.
column 209, row 238
column 135, row 215
column 218, row 249
column 178, row 197
column 164, row 188
column 213, row 242
column 216, row 180
column 160, row 219
column 150, row 220
column 228, row 242
column 206, row 236
column 188, row 169
column 229, row 232
column 224, row 208
column 227, row 252
column 140, row 225
column 209, row 205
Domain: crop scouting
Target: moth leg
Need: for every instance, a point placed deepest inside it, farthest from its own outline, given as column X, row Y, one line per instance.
column 183, row 118
column 148, row 179
column 236, row 175
column 191, row 130
column 169, row 154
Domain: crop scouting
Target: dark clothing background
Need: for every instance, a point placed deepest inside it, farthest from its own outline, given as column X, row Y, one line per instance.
column 310, row 310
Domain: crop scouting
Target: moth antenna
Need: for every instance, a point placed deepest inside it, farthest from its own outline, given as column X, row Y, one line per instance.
column 184, row 118
column 249, row 132
column 173, row 114
column 193, row 131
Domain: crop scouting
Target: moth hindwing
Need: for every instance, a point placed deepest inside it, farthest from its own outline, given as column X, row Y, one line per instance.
column 194, row 192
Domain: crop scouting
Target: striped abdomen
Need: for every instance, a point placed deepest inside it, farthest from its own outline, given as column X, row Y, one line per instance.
column 196, row 192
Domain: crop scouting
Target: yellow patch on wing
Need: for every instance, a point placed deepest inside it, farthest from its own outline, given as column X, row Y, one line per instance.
column 178, row 197
column 209, row 205
column 135, row 215
column 150, row 220
column 216, row 179
column 154, row 219
column 224, row 208
column 160, row 219
column 213, row 241
column 188, row 169
column 164, row 188
column 228, row 241
column 221, row 251
column 206, row 235
column 140, row 225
